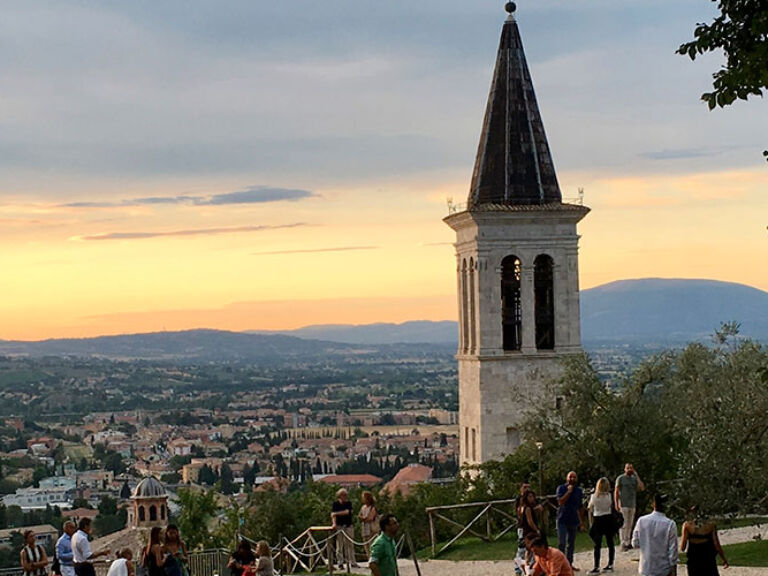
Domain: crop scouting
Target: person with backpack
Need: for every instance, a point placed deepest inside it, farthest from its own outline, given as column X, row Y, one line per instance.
column 34, row 560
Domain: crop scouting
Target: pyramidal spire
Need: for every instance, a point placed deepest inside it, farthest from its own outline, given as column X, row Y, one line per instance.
column 513, row 164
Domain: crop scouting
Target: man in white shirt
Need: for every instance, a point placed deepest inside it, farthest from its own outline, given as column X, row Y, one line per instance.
column 81, row 549
column 122, row 566
column 656, row 537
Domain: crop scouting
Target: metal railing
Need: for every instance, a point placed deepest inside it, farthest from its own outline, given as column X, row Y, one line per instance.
column 208, row 562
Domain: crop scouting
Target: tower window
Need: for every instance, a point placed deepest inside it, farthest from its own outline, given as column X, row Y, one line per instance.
column 472, row 328
column 511, row 305
column 153, row 513
column 464, row 308
column 544, row 294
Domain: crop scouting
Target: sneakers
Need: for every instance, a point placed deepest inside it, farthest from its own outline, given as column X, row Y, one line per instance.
column 594, row 571
column 608, row 568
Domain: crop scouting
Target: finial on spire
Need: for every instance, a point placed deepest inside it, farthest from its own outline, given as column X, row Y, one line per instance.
column 510, row 7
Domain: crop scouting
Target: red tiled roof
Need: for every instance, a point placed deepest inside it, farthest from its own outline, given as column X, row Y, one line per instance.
column 406, row 477
column 351, row 479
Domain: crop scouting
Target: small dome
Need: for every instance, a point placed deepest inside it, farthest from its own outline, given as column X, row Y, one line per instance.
column 149, row 488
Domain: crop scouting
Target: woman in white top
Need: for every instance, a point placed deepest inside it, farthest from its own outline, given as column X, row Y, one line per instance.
column 601, row 517
column 368, row 520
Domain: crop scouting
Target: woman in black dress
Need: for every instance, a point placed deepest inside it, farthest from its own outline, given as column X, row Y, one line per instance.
column 527, row 515
column 153, row 557
column 700, row 542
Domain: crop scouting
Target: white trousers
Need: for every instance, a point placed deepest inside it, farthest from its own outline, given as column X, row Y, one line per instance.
column 626, row 530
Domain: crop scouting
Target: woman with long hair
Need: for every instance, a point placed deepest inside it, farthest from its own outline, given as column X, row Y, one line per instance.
column 700, row 541
column 600, row 514
column 242, row 559
column 153, row 557
column 176, row 552
column 264, row 564
column 528, row 523
column 368, row 520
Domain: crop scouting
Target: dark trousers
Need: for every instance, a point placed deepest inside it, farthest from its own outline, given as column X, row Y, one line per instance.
column 84, row 569
column 602, row 526
column 566, row 539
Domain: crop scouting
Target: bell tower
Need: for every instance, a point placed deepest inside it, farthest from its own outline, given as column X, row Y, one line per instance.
column 517, row 265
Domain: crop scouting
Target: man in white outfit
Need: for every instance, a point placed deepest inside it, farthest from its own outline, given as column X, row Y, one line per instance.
column 656, row 537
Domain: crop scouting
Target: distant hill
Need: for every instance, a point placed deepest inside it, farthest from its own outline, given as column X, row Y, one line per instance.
column 645, row 311
column 199, row 345
column 648, row 310
column 415, row 332
column 670, row 310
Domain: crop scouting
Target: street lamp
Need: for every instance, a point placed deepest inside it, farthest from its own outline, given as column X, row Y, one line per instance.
column 539, row 446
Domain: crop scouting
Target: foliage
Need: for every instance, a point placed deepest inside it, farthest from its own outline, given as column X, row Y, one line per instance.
column 692, row 422
column 596, row 430
column 198, row 509
column 740, row 30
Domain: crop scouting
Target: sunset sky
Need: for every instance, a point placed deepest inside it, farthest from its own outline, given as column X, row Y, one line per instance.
column 268, row 165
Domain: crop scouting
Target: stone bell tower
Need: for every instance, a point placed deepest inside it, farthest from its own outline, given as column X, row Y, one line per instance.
column 517, row 264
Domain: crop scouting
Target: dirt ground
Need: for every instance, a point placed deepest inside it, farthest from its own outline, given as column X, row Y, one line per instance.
column 625, row 565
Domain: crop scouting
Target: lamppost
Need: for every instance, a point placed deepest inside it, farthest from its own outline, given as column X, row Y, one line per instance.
column 539, row 446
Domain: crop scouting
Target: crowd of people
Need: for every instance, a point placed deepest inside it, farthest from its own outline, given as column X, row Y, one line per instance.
column 164, row 555
column 611, row 514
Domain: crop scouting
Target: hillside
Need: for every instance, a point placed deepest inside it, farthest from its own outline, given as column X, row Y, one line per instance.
column 645, row 311
column 670, row 310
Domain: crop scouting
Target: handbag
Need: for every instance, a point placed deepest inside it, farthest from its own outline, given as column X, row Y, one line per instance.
column 618, row 518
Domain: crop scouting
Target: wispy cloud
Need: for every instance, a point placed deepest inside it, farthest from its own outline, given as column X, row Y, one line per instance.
column 314, row 250
column 188, row 232
column 251, row 195
column 687, row 153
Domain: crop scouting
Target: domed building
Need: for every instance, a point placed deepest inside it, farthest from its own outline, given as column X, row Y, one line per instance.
column 149, row 504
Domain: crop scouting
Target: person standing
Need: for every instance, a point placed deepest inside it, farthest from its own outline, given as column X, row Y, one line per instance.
column 656, row 536
column 175, row 551
column 64, row 549
column 570, row 514
column 81, row 549
column 601, row 513
column 368, row 520
column 625, row 498
column 264, row 565
column 34, row 561
column 241, row 558
column 153, row 558
column 341, row 518
column 703, row 547
column 383, row 561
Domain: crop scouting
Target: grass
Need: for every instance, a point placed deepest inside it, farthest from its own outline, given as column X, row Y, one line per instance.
column 743, row 554
column 753, row 553
column 505, row 548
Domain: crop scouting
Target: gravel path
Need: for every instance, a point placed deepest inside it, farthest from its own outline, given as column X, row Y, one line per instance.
column 625, row 565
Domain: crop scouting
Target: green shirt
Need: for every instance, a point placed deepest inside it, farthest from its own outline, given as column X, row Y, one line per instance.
column 384, row 555
column 627, row 486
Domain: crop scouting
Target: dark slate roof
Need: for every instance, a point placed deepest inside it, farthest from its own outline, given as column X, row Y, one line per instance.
column 513, row 164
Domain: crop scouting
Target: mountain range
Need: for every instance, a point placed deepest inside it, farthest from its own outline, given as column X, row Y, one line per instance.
column 649, row 310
